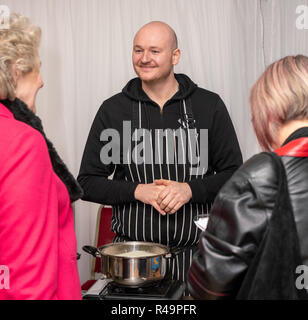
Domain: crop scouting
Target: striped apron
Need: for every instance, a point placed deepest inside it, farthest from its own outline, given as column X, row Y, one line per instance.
column 137, row 221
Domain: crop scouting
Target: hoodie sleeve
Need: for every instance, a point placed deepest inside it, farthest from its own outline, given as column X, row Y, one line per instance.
column 93, row 174
column 225, row 156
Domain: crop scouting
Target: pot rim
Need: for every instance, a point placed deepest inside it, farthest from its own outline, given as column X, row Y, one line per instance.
column 167, row 251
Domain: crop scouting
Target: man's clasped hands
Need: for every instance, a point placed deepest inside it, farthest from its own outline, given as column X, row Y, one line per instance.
column 165, row 196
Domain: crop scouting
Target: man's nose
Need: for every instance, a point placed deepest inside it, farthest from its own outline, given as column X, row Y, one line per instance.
column 145, row 57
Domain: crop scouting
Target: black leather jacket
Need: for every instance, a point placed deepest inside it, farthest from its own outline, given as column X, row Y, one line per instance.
column 238, row 219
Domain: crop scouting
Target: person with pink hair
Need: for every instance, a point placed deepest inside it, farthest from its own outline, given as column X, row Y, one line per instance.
column 256, row 241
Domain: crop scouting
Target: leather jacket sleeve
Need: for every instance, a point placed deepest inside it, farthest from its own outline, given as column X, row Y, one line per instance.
column 236, row 225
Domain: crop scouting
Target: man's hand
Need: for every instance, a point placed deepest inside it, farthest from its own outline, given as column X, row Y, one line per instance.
column 148, row 194
column 174, row 196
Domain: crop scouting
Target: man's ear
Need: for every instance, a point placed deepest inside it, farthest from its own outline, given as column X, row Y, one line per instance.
column 176, row 54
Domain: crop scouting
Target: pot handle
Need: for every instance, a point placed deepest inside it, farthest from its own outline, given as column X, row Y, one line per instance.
column 92, row 251
column 173, row 252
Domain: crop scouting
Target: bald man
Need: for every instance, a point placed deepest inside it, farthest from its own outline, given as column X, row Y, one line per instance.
column 169, row 145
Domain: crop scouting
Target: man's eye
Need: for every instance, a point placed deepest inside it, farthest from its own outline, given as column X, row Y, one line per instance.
column 138, row 50
column 155, row 51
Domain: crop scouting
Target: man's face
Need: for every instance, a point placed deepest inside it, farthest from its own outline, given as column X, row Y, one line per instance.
column 153, row 54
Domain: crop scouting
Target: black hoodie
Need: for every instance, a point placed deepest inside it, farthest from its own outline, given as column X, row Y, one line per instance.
column 132, row 219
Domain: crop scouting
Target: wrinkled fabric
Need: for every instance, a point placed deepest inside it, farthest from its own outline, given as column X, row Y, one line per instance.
column 37, row 237
column 22, row 113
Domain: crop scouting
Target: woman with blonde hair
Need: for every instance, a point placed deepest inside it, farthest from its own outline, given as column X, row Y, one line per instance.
column 256, row 241
column 37, row 238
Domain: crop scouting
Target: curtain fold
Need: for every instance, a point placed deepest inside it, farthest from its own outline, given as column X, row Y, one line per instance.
column 86, row 55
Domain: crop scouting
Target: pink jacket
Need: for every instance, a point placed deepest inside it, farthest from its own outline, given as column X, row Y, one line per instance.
column 37, row 237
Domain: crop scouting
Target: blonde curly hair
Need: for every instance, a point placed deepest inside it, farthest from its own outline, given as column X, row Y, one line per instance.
column 18, row 52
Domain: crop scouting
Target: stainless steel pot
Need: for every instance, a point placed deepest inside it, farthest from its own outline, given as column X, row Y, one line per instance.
column 128, row 270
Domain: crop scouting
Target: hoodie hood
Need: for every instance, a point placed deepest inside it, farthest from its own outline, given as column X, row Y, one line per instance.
column 134, row 90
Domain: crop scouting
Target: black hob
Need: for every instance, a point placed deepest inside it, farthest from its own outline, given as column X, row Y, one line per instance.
column 105, row 289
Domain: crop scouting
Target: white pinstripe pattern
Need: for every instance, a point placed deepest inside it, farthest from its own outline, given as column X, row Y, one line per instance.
column 167, row 155
column 138, row 174
column 146, row 181
column 203, row 173
column 153, row 178
column 129, row 219
column 198, row 151
column 118, row 229
column 202, row 209
column 176, row 262
column 197, row 205
column 168, row 169
column 161, row 176
column 190, row 257
column 189, row 143
column 139, row 114
column 183, row 274
column 117, row 224
column 184, row 159
column 136, row 164
column 184, row 212
column 176, row 158
column 177, row 179
column 190, row 225
column 178, row 267
column 114, row 215
column 184, row 208
column 123, row 215
column 184, row 177
column 190, row 176
column 130, row 205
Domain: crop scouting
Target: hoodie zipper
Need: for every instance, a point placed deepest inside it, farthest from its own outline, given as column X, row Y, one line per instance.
column 162, row 109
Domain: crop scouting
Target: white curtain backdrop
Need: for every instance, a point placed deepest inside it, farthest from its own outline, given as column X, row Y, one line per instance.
column 86, row 55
